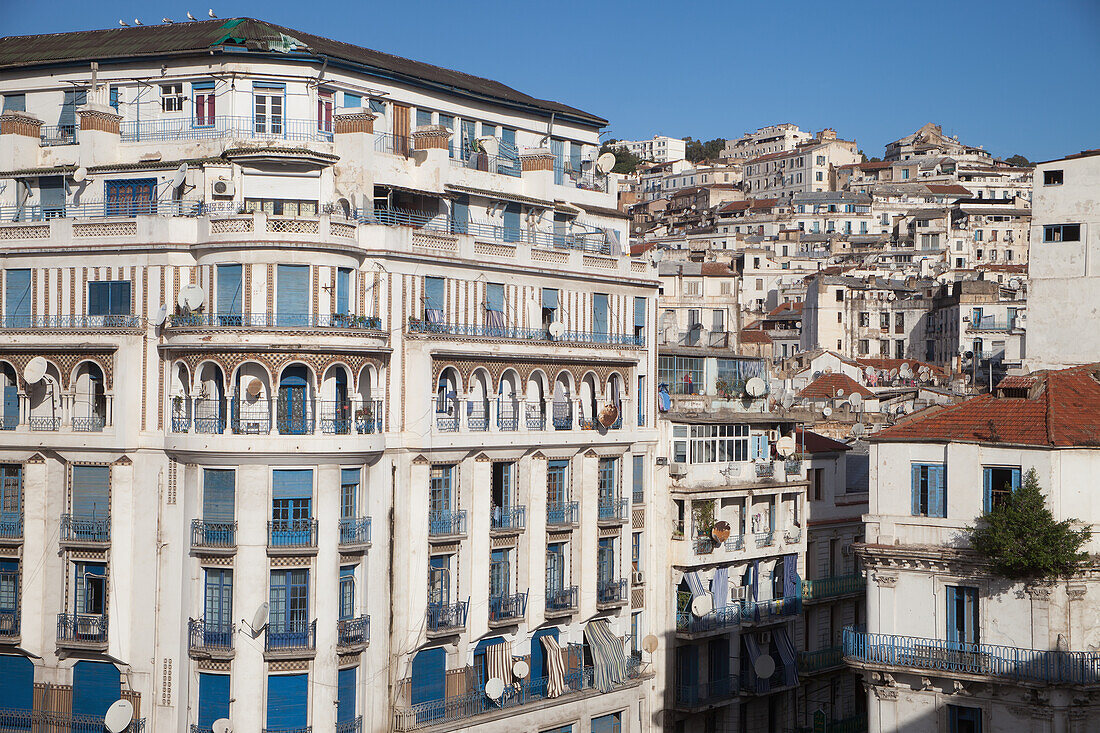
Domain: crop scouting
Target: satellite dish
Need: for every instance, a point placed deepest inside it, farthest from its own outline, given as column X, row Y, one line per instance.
column 180, row 175
column 494, row 688
column 787, row 401
column 859, row 429
column 785, row 446
column 521, row 669
column 650, row 643
column 161, row 315
column 893, row 373
column 608, row 415
column 756, row 387
column 118, row 716
column 605, row 163
column 557, row 329
column 253, row 388
column 764, row 666
column 702, row 605
column 80, row 174
column 855, row 400
column 35, row 370
column 191, row 297
column 869, row 371
column 259, row 619
column 827, row 411
column 222, row 725
column 839, row 392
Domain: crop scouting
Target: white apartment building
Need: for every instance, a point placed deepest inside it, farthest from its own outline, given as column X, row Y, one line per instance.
column 766, row 140
column 1064, row 262
column 323, row 386
column 811, row 166
column 698, row 305
column 948, row 646
column 930, row 142
column 658, row 149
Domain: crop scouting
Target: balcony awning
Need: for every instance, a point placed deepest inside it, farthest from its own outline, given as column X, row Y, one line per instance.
column 608, row 656
column 500, row 196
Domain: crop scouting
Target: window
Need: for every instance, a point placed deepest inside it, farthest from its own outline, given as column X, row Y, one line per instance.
column 281, row 207
column 267, row 109
column 349, row 493
column 229, row 303
column 171, row 97
column 964, row 720
column 434, row 291
column 439, row 580
column 928, row 490
column 202, row 94
column 90, row 588
column 904, row 174
column 819, row 176
column 683, row 375
column 218, row 605
column 840, row 317
column 17, row 298
column 15, row 102
column 638, row 478
column 864, row 347
column 998, row 482
column 639, row 320
column 599, row 314
column 692, row 287
column 1052, row 178
column 291, row 506
column 899, row 349
column 899, row 323
column 130, row 197
column 352, row 101
column 605, row 560
column 439, row 494
column 347, row 592
column 218, row 500
column 562, row 729
column 884, row 321
column 324, row 110
column 556, row 554
column 864, row 319
column 612, row 723
column 90, row 492
column 718, row 321
column 839, row 295
column 1062, row 233
column 710, row 443
column 979, row 236
column 820, row 160
column 962, row 615
column 289, row 602
column 636, row 551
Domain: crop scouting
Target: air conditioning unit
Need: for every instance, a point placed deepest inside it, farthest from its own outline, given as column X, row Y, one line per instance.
column 765, row 638
column 677, row 469
column 224, row 188
column 637, row 577
column 846, row 550
column 738, row 592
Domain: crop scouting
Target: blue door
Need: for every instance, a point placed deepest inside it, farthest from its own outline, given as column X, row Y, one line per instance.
column 90, row 491
column 962, row 615
column 96, row 686
column 213, row 698
column 292, row 295
column 218, row 505
column 17, row 298
column 343, row 290
column 429, row 669
column 11, row 407
column 18, row 676
column 599, row 315
column 294, row 416
column 230, row 302
column 287, row 702
column 292, row 507
column 345, row 695
column 557, row 149
column 218, row 608
column 289, row 603
column 511, row 222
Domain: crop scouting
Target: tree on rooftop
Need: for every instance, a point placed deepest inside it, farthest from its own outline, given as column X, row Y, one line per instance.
column 1018, row 160
column 625, row 161
column 697, row 150
column 1021, row 540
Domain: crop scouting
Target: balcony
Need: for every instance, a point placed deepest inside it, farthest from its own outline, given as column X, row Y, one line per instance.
column 688, row 624
column 447, row 619
column 821, row 660
column 50, row 135
column 781, row 679
column 562, row 418
column 507, row 415
column 764, row 539
column 792, row 536
column 735, row 543
column 9, row 626
column 71, row 322
column 980, row 660
column 854, row 724
column 561, row 601
column 536, row 417
column 989, row 323
column 506, row 165
column 832, row 587
column 213, row 538
column 447, row 524
column 93, row 424
column 612, row 511
column 611, row 592
column 290, row 640
column 85, row 531
column 271, row 320
column 706, row 694
column 792, row 466
column 173, row 129
column 508, row 519
column 292, row 537
column 11, row 530
column 515, row 333
column 48, row 721
column 350, row 726
column 82, row 631
column 770, row 611
column 353, row 633
column 210, row 640
column 354, row 534
column 43, row 424
column 507, row 609
column 765, row 469
column 562, row 514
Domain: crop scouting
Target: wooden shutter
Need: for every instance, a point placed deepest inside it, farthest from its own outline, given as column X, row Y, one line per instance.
column 217, row 495
column 401, row 129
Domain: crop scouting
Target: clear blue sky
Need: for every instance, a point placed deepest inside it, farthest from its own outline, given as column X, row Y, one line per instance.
column 1018, row 76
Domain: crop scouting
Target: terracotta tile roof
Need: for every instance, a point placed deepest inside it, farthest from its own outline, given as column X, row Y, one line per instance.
column 755, row 337
column 950, row 188
column 779, row 310
column 811, row 442
column 826, row 386
column 1062, row 411
column 763, row 203
column 1017, row 381
column 636, row 250
column 716, row 269
column 733, row 206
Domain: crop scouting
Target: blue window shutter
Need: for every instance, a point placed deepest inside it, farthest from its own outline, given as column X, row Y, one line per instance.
column 952, row 620
column 69, row 105
column 91, row 491
column 429, row 670
column 538, row 653
column 937, row 499
column 557, row 149
column 575, row 156
column 1015, row 480
column 18, row 676
column 213, row 698
column 916, row 490
column 17, row 297
column 511, row 222
column 343, row 290
column 287, row 701
column 292, row 484
column 345, row 695
column 423, row 117
column 639, row 312
column 352, row 100
column 599, row 313
column 460, row 215
column 217, row 495
column 229, row 290
column 433, row 293
column 377, row 106
column 292, row 299
column 96, row 686
column 51, row 191
column 494, row 297
column 549, row 299
column 987, row 489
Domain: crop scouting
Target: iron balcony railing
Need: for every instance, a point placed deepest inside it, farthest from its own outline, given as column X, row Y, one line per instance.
column 719, row 618
column 305, row 729
column 48, row 424
column 513, row 517
column 536, row 417
column 291, row 635
column 507, row 607
column 562, row 513
column 611, row 590
column 612, row 510
column 562, row 415
column 779, row 679
column 275, row 320
column 350, row 726
column 297, row 418
column 516, row 333
column 353, row 631
column 355, row 531
column 447, row 617
column 765, row 469
column 508, row 412
column 9, row 422
column 223, row 126
column 569, row 176
column 735, row 543
column 989, row 323
column 45, row 721
column 209, row 416
column 102, row 210
column 764, row 539
column 58, row 134
column 446, row 522
column 770, row 609
column 85, row 529
column 503, row 165
column 837, row 585
column 250, row 416
column 9, row 623
column 46, row 323
column 79, row 628
column 368, row 417
column 821, row 660
column 561, row 599
column 336, row 417
column 853, row 724
column 477, row 416
column 387, row 142
column 792, row 536
column 704, row 693
column 446, row 414
column 210, row 637
column 11, row 528
column 792, row 465
column 1047, row 667
column 213, row 534
column 93, row 424
column 291, row 533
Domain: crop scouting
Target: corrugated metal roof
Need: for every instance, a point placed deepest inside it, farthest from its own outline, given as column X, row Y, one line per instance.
column 252, row 36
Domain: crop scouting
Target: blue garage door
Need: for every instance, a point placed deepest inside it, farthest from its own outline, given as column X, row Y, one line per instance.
column 287, row 702
column 18, row 676
column 96, row 686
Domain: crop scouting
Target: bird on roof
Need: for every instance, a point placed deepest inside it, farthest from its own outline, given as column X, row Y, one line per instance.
column 211, row 12
column 166, row 20
column 137, row 22
column 123, row 23
column 190, row 17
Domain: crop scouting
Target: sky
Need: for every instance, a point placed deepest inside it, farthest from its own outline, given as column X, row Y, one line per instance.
column 1016, row 76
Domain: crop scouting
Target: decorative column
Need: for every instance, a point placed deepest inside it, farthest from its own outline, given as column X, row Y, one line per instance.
column 19, row 137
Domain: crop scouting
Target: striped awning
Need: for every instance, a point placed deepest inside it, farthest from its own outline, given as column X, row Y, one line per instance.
column 608, row 655
column 555, row 666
